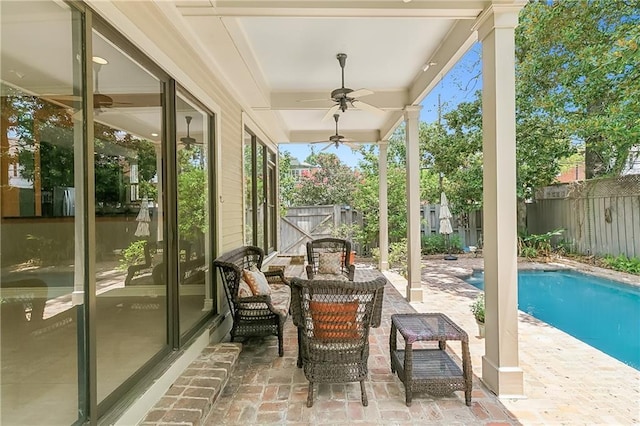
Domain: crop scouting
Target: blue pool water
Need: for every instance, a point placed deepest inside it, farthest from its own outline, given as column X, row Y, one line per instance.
column 602, row 313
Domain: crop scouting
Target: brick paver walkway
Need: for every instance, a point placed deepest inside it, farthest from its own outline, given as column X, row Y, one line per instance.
column 267, row 389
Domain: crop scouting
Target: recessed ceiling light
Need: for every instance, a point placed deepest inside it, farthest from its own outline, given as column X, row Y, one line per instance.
column 428, row 65
column 154, row 134
column 99, row 60
column 406, row 1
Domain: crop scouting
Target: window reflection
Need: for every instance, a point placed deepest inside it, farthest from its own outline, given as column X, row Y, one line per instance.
column 39, row 134
column 192, row 155
column 129, row 253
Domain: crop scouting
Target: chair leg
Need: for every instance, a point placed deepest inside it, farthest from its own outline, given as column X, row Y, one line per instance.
column 363, row 391
column 299, row 348
column 280, row 339
column 310, row 395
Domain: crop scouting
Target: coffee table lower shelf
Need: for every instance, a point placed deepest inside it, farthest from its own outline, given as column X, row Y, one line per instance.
column 432, row 371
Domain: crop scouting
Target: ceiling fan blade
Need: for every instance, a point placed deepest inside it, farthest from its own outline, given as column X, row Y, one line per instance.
column 367, row 107
column 351, row 145
column 331, row 111
column 360, row 93
column 314, row 100
column 328, row 145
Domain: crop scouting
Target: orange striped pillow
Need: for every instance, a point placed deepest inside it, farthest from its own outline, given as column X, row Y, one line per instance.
column 334, row 320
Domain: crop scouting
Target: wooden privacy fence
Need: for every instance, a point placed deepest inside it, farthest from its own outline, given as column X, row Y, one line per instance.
column 599, row 217
column 306, row 223
column 468, row 226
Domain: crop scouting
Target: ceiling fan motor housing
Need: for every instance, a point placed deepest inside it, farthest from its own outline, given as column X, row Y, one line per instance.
column 340, row 93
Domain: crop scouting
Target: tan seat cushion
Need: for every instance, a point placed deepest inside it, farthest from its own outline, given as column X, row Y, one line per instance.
column 281, row 298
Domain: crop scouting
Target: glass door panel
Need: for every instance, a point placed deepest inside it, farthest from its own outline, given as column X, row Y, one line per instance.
column 131, row 316
column 193, row 156
column 40, row 139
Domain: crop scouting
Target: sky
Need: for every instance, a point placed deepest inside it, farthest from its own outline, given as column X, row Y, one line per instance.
column 457, row 86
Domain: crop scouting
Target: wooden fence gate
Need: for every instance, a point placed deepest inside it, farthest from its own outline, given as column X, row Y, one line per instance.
column 306, row 223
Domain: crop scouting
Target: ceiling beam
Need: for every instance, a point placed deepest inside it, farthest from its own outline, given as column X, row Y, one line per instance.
column 359, row 136
column 445, row 9
column 457, row 42
column 301, row 100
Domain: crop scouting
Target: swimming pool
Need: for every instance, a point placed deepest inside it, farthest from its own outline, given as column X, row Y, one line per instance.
column 602, row 313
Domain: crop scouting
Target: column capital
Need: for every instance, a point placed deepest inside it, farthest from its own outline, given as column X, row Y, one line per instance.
column 497, row 16
column 412, row 111
column 384, row 143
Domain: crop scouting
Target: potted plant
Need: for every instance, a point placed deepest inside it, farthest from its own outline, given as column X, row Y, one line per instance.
column 477, row 308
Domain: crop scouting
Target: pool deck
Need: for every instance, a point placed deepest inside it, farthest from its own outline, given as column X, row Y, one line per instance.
column 566, row 382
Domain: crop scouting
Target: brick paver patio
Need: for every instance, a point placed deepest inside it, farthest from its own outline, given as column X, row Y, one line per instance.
column 566, row 381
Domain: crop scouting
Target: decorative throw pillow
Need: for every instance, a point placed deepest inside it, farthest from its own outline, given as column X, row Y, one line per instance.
column 256, row 281
column 333, row 321
column 244, row 290
column 329, row 263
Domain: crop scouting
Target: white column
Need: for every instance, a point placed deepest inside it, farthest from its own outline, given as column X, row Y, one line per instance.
column 383, row 206
column 500, row 365
column 159, row 201
column 414, row 284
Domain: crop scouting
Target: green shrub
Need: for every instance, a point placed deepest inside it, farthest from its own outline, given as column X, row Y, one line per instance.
column 437, row 243
column 132, row 255
column 477, row 308
column 398, row 256
column 433, row 244
column 537, row 245
column 623, row 263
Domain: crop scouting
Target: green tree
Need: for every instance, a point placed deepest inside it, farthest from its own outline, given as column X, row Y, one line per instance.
column 578, row 77
column 366, row 200
column 287, row 182
column 192, row 195
column 332, row 182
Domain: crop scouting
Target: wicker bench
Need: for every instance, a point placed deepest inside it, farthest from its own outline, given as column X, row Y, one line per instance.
column 262, row 315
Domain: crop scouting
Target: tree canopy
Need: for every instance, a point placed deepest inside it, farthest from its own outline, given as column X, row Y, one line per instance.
column 332, row 182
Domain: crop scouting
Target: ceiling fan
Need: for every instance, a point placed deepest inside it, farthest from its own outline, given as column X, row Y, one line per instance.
column 100, row 100
column 343, row 96
column 188, row 141
column 336, row 139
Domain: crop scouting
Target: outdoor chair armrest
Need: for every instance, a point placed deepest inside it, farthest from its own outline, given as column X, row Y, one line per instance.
column 276, row 277
column 309, row 269
column 351, row 272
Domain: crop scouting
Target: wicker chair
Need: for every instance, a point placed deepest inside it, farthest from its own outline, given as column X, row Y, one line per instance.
column 263, row 315
column 333, row 320
column 316, row 248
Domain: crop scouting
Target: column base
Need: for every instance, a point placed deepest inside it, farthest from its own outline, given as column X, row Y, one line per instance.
column 414, row 294
column 505, row 382
column 384, row 266
column 208, row 305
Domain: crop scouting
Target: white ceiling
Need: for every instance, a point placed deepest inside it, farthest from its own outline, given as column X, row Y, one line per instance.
column 276, row 54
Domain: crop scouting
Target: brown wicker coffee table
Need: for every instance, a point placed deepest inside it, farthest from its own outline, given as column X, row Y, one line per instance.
column 429, row 370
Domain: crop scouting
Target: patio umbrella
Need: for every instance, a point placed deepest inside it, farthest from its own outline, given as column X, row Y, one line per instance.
column 445, row 223
column 143, row 220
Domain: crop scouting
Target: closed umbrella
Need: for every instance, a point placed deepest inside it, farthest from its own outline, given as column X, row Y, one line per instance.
column 143, row 219
column 445, row 224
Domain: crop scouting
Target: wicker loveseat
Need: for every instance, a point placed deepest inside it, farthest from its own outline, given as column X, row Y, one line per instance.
column 320, row 259
column 333, row 320
column 262, row 315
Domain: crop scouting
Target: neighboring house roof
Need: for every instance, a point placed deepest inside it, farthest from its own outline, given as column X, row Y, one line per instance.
column 576, row 173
